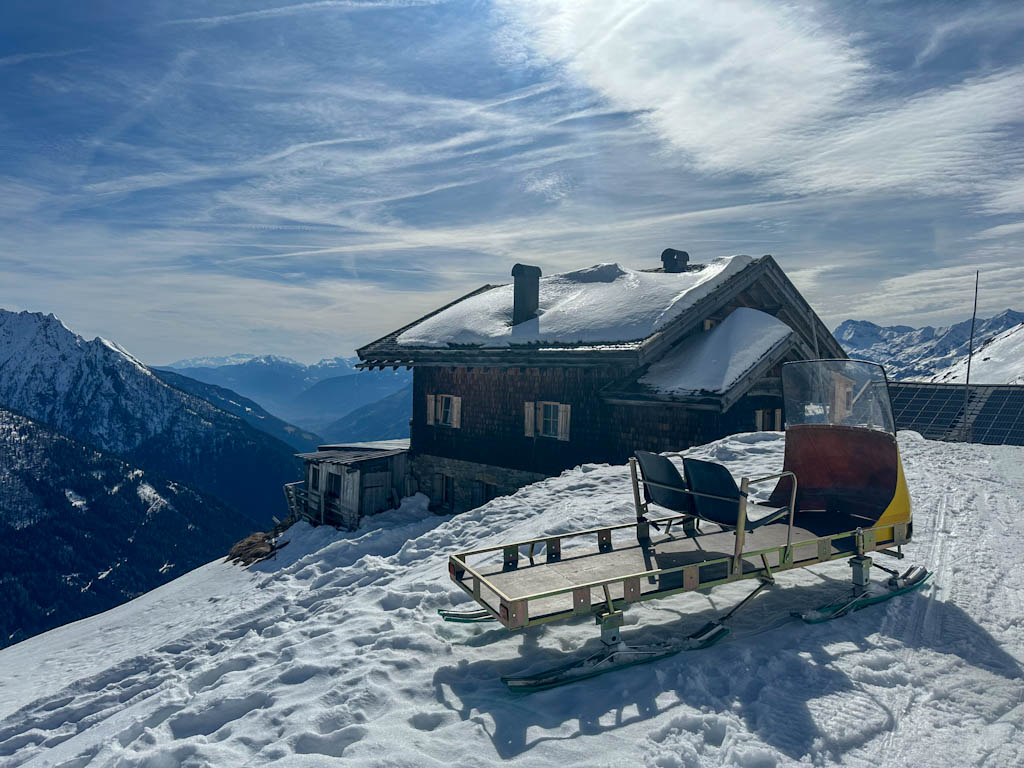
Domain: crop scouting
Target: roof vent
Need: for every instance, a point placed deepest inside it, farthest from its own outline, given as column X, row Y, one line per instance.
column 674, row 261
column 527, row 292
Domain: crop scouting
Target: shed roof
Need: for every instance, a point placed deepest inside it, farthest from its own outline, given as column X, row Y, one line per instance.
column 348, row 456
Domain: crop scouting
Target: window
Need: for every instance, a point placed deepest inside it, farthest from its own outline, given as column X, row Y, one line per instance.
column 482, row 491
column 547, row 419
column 709, row 323
column 768, row 419
column 333, row 484
column 444, row 490
column 444, row 410
column 314, row 477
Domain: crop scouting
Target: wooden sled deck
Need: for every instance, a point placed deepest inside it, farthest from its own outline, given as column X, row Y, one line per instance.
column 602, row 570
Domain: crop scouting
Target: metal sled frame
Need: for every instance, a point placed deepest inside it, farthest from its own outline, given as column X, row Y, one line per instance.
column 488, row 584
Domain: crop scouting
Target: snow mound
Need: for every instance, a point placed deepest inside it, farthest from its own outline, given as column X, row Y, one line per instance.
column 715, row 360
column 606, row 303
column 333, row 652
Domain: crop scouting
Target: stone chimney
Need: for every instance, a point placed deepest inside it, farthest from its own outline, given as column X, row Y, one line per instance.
column 675, row 261
column 527, row 292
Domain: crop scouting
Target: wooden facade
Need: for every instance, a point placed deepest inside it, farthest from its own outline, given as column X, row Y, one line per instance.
column 532, row 411
column 493, row 428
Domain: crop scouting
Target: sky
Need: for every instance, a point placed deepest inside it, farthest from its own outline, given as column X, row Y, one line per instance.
column 197, row 178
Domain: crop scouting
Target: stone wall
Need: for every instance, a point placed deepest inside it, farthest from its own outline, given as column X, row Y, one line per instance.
column 425, row 468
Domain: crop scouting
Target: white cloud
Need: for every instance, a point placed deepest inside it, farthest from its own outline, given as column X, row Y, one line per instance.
column 773, row 90
column 1007, row 196
column 1016, row 229
column 933, row 295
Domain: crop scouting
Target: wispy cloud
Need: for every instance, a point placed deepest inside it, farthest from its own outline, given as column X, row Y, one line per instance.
column 341, row 172
column 984, row 20
column 297, row 8
column 21, row 58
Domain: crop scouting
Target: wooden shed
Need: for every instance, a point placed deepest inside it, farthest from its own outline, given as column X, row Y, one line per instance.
column 344, row 483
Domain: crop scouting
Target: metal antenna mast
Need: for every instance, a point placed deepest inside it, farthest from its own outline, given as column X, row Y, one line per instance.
column 970, row 354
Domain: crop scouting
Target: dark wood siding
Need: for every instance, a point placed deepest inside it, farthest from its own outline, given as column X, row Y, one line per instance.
column 492, row 418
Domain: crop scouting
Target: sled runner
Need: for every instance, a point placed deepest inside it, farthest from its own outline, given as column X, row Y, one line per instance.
column 841, row 495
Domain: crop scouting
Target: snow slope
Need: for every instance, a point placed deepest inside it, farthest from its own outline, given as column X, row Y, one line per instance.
column 333, row 655
column 606, row 303
column 1000, row 360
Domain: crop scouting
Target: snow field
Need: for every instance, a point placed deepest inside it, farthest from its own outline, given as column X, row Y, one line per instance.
column 333, row 653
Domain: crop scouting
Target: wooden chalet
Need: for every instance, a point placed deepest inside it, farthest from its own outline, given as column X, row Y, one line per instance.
column 514, row 383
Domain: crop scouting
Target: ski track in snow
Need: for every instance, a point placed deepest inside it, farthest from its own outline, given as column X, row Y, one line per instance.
column 333, row 652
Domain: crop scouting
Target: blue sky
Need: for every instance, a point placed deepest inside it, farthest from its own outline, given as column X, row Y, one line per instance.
column 203, row 178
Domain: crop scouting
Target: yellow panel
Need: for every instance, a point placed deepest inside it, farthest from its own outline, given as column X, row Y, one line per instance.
column 898, row 510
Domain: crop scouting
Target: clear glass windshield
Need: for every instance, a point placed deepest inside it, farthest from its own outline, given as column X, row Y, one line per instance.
column 847, row 393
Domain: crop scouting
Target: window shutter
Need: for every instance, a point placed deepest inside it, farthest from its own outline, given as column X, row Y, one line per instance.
column 430, row 409
column 456, row 412
column 778, row 419
column 758, row 418
column 436, row 497
column 529, row 412
column 563, row 420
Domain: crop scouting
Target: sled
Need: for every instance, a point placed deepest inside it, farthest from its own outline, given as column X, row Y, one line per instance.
column 841, row 494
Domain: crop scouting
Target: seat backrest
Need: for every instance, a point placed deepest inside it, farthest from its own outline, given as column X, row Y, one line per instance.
column 708, row 477
column 659, row 469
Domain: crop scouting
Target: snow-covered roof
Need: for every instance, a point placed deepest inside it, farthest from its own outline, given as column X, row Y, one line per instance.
column 714, row 361
column 606, row 303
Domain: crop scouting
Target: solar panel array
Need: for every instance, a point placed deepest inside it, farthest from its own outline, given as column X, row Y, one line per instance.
column 995, row 414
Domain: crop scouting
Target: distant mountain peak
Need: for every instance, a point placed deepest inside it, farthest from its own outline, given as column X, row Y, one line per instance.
column 211, row 362
column 920, row 353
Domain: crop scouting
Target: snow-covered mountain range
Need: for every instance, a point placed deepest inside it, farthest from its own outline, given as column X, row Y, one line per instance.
column 923, row 353
column 82, row 531
column 106, row 467
column 329, row 366
column 332, row 653
column 101, row 395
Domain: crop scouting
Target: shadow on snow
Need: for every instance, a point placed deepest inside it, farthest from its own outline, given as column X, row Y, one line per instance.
column 781, row 683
